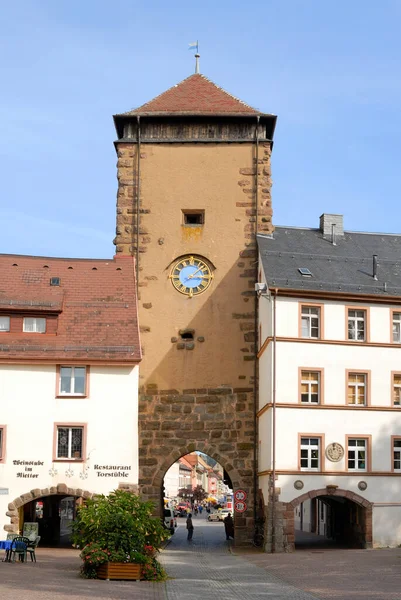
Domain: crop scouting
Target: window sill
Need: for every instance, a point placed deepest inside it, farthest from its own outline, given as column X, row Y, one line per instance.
column 72, row 396
column 310, row 403
column 357, row 471
column 68, row 460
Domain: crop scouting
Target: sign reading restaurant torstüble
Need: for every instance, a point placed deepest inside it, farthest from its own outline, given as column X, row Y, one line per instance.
column 28, row 468
column 112, row 470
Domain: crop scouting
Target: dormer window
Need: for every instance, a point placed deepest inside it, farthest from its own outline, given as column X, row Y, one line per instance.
column 4, row 324
column 34, row 325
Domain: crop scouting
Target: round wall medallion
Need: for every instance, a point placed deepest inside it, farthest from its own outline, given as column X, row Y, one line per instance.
column 298, row 484
column 334, row 452
column 362, row 485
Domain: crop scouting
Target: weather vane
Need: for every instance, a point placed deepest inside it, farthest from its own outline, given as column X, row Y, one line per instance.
column 195, row 46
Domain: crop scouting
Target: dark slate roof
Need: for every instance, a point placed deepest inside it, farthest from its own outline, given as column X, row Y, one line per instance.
column 346, row 267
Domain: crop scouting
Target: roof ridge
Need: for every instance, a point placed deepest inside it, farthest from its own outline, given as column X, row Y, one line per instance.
column 157, row 97
column 225, row 92
column 345, row 230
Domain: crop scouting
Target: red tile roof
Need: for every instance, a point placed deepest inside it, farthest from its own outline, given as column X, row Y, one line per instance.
column 95, row 303
column 195, row 95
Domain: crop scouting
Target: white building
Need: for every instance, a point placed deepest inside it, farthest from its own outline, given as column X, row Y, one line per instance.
column 69, row 354
column 330, row 385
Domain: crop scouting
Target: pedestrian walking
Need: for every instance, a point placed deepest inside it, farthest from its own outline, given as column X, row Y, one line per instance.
column 196, row 511
column 229, row 526
column 190, row 527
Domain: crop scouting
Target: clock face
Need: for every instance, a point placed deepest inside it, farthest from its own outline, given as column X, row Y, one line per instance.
column 191, row 275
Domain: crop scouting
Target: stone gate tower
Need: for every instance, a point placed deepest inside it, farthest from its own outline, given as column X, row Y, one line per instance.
column 193, row 190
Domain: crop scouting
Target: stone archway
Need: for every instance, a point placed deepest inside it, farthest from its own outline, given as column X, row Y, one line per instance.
column 61, row 490
column 217, row 421
column 285, row 530
column 241, row 524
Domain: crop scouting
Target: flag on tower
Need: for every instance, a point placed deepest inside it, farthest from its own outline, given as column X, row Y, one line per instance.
column 193, row 46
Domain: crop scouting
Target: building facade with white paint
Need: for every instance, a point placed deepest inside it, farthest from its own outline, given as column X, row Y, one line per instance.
column 330, row 385
column 69, row 356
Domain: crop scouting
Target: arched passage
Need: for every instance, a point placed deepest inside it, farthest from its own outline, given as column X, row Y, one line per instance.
column 199, row 480
column 53, row 509
column 349, row 520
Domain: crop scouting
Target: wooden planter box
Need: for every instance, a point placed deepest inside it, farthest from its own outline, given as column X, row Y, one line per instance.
column 118, row 570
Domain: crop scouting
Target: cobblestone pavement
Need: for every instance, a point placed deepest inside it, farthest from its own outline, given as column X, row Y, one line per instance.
column 55, row 576
column 336, row 574
column 208, row 568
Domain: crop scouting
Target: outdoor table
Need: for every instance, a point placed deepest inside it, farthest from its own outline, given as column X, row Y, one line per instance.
column 6, row 545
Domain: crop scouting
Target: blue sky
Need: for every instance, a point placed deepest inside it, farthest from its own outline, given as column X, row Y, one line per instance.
column 329, row 70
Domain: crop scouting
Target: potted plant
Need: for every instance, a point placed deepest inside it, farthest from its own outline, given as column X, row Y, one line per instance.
column 119, row 538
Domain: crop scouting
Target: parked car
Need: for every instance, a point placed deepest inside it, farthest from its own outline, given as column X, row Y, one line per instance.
column 219, row 515
column 213, row 517
column 170, row 520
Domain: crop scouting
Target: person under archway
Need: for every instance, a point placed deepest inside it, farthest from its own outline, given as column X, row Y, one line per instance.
column 190, row 527
column 229, row 526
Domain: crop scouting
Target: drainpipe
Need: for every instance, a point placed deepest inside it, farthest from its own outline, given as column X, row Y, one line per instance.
column 274, row 423
column 138, row 196
column 256, row 341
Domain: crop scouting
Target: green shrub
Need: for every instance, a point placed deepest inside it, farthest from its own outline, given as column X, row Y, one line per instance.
column 118, row 528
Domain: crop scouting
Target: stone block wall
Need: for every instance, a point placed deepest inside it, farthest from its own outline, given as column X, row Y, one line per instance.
column 216, row 421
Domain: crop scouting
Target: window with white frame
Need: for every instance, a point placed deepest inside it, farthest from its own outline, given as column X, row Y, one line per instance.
column 397, row 389
column 357, row 454
column 357, row 389
column 310, row 321
column 34, row 325
column 397, row 327
column 69, row 442
column 72, row 381
column 310, row 387
column 357, row 325
column 397, row 454
column 4, row 324
column 310, row 453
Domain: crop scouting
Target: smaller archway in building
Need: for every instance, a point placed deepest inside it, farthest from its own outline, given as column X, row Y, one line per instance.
column 330, row 517
column 53, row 510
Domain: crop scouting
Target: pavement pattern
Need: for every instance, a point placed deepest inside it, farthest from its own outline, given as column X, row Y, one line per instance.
column 207, row 569
column 210, row 568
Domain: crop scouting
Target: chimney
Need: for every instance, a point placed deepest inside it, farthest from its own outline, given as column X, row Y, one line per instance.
column 375, row 267
column 332, row 226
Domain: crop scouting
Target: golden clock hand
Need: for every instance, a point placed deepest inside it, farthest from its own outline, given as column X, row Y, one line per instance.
column 193, row 274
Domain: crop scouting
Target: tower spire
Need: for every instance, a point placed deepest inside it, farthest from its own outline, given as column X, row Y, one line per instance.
column 197, row 57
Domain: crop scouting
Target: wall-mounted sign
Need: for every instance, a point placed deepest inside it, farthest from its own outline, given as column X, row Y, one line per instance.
column 240, row 495
column 28, row 468
column 112, row 470
column 4, row 491
column 239, row 506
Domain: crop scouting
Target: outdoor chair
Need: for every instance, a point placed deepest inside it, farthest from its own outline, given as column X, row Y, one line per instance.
column 11, row 536
column 19, row 547
column 32, row 547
